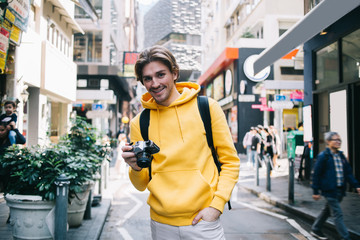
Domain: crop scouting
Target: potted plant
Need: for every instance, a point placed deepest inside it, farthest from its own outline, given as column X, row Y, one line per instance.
column 29, row 186
column 34, row 170
column 87, row 153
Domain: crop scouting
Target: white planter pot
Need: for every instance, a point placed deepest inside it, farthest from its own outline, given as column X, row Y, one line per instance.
column 77, row 206
column 30, row 217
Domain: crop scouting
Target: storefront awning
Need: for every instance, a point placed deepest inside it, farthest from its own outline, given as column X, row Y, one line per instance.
column 66, row 15
column 224, row 60
column 319, row 18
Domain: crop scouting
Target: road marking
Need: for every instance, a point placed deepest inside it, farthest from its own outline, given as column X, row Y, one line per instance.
column 138, row 204
column 299, row 228
column 292, row 222
column 125, row 234
column 263, row 211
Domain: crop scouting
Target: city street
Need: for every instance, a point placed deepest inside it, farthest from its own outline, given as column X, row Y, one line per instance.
column 250, row 218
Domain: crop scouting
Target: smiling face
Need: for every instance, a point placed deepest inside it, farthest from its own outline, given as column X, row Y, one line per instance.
column 159, row 81
column 9, row 109
column 334, row 143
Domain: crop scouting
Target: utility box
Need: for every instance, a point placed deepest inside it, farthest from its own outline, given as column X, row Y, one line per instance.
column 294, row 138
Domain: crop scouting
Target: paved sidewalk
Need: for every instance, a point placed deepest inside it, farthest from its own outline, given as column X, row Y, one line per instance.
column 89, row 230
column 304, row 205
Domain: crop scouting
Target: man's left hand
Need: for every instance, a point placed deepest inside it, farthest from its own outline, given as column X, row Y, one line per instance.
column 358, row 190
column 208, row 214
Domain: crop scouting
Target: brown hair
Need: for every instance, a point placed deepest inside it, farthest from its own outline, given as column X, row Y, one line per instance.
column 10, row 102
column 152, row 54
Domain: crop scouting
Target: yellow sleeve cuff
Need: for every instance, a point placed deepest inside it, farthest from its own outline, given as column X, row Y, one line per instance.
column 218, row 203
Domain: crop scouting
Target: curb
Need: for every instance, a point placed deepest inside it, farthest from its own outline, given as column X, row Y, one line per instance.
column 91, row 229
column 291, row 209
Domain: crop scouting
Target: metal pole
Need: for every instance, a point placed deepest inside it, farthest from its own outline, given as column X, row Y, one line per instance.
column 62, row 190
column 257, row 170
column 268, row 171
column 291, row 181
column 87, row 214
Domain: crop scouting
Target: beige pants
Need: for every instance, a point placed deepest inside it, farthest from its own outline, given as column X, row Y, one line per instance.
column 201, row 231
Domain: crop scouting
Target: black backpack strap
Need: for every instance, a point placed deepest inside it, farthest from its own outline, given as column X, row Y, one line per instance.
column 144, row 128
column 144, row 123
column 204, row 109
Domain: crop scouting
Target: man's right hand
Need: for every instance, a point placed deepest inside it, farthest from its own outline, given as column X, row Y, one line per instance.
column 129, row 157
column 316, row 197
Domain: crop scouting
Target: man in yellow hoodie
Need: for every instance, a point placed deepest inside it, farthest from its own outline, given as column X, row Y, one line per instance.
column 187, row 195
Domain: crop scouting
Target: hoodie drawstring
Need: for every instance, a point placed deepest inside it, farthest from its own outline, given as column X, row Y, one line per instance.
column 177, row 116
column 158, row 123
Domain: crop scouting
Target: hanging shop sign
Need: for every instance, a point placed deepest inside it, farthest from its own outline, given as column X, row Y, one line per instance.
column 209, row 90
column 234, row 124
column 249, row 70
column 15, row 36
column 297, row 96
column 129, row 61
column 281, row 104
column 246, row 98
column 263, row 106
column 225, row 101
column 20, row 8
column 228, row 82
column 242, row 86
column 4, row 45
column 219, row 87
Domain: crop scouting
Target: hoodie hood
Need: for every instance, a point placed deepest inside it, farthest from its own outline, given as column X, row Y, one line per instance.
column 187, row 90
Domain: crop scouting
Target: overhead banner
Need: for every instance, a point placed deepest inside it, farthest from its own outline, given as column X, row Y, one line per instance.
column 20, row 8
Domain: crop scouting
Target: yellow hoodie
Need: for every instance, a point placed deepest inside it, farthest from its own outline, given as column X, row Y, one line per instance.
column 184, row 176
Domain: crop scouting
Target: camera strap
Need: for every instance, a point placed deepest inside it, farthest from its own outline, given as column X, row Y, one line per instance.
column 203, row 105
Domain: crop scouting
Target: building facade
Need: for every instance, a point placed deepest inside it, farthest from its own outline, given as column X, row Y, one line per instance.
column 246, row 98
column 40, row 74
column 176, row 25
column 331, row 72
column 103, row 89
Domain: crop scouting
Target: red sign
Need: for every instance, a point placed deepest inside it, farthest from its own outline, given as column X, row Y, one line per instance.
column 263, row 106
column 130, row 57
column 297, row 95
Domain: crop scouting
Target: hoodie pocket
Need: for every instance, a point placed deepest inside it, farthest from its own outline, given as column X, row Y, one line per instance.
column 179, row 193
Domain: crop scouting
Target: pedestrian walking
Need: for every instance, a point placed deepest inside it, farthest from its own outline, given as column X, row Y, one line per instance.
column 255, row 146
column 331, row 173
column 247, row 140
column 277, row 146
column 187, row 194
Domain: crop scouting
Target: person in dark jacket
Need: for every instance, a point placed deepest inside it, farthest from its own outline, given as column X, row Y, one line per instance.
column 331, row 173
column 4, row 136
column 5, row 143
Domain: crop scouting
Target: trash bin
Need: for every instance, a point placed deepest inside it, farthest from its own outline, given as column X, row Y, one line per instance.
column 294, row 138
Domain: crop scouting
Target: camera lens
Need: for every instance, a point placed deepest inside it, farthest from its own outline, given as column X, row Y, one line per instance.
column 144, row 160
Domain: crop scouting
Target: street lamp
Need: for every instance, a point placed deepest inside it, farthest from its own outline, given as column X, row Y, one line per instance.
column 24, row 94
column 125, row 120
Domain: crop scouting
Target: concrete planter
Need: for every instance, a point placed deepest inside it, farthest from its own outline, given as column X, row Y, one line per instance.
column 77, row 206
column 30, row 217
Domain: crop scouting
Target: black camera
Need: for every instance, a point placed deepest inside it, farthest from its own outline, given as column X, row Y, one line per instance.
column 144, row 151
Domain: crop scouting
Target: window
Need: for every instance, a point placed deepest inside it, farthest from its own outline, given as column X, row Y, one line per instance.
column 351, row 57
column 82, row 83
column 327, row 66
column 88, row 47
column 97, row 4
column 282, row 31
